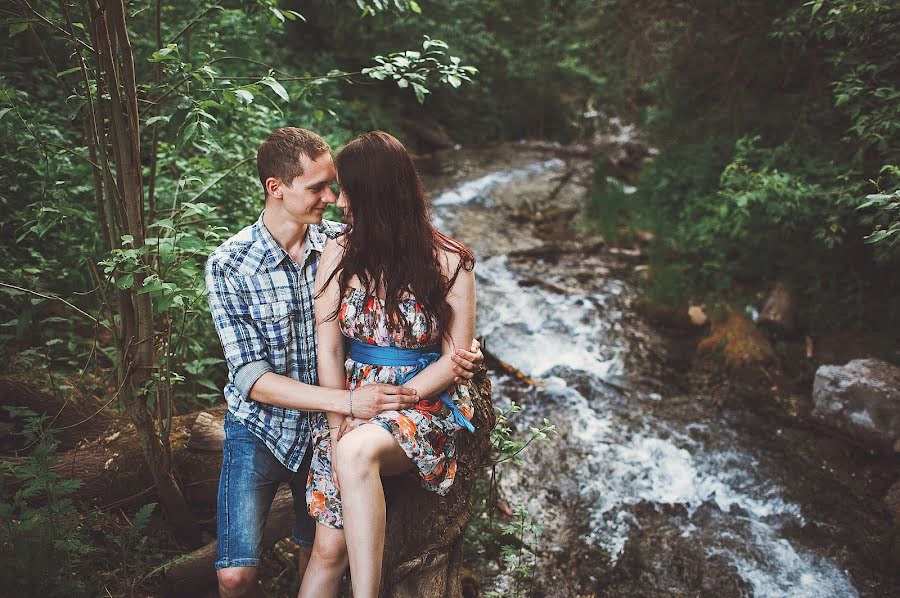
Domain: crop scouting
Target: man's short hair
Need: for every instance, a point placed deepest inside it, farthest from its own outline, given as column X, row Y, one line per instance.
column 279, row 155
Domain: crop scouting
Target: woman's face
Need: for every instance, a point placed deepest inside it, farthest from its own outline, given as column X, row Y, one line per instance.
column 343, row 203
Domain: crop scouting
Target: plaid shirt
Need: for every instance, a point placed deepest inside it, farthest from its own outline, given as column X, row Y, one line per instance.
column 262, row 305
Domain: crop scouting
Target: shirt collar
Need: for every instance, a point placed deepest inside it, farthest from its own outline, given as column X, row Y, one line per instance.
column 275, row 253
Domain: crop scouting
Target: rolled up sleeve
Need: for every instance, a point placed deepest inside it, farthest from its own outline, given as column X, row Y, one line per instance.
column 244, row 347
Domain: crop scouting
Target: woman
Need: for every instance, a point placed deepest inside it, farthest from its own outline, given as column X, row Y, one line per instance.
column 404, row 295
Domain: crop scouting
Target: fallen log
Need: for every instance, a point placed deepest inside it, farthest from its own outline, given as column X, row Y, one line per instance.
column 196, row 573
column 112, row 466
column 72, row 421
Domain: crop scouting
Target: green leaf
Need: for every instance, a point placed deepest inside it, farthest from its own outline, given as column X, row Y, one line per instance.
column 17, row 28
column 421, row 91
column 164, row 223
column 277, row 88
column 142, row 517
column 125, row 282
column 186, row 133
column 157, row 119
column 414, row 6
column 74, row 69
column 244, row 96
column 4, row 111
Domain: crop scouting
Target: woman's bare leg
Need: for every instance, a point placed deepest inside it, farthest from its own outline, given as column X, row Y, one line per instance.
column 327, row 564
column 361, row 458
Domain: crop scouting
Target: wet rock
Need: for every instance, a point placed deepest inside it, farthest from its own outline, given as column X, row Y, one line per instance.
column 697, row 315
column 740, row 342
column 892, row 502
column 862, row 399
column 428, row 131
column 663, row 314
column 661, row 561
column 779, row 313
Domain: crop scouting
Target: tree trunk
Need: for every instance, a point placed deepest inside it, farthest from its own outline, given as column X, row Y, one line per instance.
column 137, row 343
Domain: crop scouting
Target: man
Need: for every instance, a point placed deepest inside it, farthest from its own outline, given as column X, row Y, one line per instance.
column 260, row 287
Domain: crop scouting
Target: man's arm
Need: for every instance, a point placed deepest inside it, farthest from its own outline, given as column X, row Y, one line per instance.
column 368, row 401
column 248, row 361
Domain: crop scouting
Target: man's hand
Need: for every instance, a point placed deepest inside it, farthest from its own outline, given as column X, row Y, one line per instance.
column 465, row 363
column 372, row 399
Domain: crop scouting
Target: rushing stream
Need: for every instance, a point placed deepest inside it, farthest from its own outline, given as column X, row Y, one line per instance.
column 645, row 489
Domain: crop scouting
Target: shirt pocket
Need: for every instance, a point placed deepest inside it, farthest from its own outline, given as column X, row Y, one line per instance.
column 274, row 320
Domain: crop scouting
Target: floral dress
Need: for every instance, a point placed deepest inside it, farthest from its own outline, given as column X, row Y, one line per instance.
column 427, row 434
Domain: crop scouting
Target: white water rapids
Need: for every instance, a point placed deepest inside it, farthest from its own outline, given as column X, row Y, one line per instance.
column 618, row 454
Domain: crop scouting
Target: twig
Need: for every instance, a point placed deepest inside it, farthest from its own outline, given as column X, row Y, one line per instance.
column 53, row 25
column 122, row 501
column 94, row 414
column 215, row 181
column 60, row 299
column 190, row 24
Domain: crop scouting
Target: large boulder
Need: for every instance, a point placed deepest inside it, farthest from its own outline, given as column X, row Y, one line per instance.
column 779, row 313
column 862, row 399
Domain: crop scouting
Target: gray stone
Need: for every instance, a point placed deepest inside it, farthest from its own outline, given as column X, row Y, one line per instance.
column 862, row 399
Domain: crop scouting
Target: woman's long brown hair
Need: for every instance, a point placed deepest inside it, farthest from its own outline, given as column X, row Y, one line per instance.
column 391, row 245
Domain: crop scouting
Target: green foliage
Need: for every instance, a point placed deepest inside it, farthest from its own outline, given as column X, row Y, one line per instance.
column 608, row 208
column 43, row 544
column 533, row 60
column 412, row 68
column 778, row 137
column 210, row 95
column 882, row 211
column 513, row 543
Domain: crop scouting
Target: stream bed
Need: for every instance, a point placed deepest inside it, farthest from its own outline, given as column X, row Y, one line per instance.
column 647, row 489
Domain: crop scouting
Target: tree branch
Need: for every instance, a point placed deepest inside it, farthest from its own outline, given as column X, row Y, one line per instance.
column 56, row 298
column 190, row 24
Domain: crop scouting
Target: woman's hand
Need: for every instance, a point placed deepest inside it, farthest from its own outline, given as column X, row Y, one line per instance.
column 348, row 425
column 466, row 363
column 334, row 440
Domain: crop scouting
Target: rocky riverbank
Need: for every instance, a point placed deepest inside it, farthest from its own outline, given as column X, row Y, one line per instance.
column 673, row 473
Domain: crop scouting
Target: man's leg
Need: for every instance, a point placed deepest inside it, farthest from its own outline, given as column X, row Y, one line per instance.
column 246, row 490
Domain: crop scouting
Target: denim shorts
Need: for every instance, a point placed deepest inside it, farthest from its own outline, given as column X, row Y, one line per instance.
column 250, row 477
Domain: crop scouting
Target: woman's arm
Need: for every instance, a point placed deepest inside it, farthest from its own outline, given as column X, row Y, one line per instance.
column 329, row 340
column 439, row 375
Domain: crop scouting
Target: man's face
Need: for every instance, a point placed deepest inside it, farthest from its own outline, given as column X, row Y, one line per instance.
column 307, row 196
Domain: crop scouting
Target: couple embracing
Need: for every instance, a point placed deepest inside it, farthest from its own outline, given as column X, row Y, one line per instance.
column 345, row 347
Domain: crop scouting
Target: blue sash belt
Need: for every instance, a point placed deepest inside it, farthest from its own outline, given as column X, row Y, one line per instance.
column 361, row 352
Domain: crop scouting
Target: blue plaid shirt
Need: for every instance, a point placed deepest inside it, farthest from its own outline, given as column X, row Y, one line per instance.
column 262, row 305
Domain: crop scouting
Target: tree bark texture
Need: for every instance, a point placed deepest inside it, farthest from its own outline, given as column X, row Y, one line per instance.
column 136, row 345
